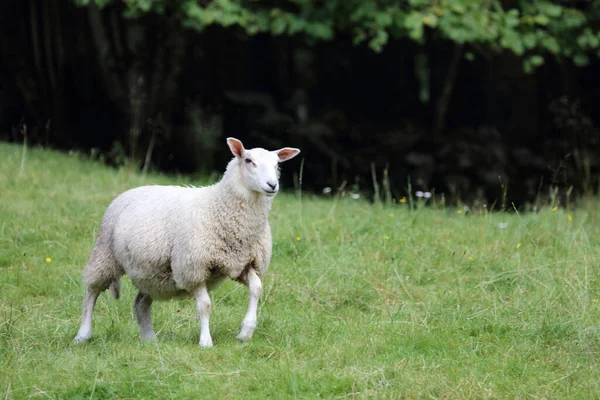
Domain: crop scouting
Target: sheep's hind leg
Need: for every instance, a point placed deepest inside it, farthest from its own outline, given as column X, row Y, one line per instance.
column 141, row 309
column 203, row 305
column 89, row 301
column 255, row 289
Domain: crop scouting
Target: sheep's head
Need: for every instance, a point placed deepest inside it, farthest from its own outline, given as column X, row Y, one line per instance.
column 259, row 167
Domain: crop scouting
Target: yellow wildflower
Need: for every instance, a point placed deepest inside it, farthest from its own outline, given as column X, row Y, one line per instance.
column 554, row 208
column 402, row 200
column 390, row 215
column 570, row 218
column 470, row 258
column 48, row 260
column 518, row 245
column 459, row 211
column 298, row 238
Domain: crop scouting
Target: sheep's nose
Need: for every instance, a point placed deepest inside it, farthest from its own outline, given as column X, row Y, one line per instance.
column 272, row 185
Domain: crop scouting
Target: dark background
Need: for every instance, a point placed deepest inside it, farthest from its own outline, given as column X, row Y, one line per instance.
column 88, row 79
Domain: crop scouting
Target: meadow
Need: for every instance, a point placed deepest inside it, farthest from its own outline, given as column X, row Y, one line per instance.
column 360, row 301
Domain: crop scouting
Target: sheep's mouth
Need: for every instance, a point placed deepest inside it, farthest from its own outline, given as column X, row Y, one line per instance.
column 270, row 192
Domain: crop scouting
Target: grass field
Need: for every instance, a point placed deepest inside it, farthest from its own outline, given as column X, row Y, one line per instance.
column 360, row 301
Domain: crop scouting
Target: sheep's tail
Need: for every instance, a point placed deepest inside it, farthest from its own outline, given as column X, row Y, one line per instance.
column 115, row 289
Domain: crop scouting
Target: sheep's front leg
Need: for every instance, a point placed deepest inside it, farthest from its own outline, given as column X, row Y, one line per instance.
column 255, row 289
column 203, row 306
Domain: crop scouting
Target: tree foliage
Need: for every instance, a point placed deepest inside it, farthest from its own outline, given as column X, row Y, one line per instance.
column 533, row 29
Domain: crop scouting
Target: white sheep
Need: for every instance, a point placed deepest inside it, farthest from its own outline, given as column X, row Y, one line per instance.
column 173, row 241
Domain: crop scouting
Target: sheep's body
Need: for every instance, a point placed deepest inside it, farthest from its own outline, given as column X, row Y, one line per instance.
column 168, row 239
column 173, row 241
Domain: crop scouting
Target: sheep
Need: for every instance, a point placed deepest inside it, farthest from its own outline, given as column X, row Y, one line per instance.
column 175, row 241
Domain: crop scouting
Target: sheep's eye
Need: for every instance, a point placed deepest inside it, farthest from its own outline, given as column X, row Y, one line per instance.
column 248, row 161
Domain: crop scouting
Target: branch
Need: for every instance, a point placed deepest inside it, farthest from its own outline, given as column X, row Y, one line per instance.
column 441, row 108
column 102, row 43
column 48, row 34
column 116, row 33
column 33, row 23
column 58, row 36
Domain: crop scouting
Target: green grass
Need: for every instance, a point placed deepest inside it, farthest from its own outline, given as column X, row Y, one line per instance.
column 359, row 301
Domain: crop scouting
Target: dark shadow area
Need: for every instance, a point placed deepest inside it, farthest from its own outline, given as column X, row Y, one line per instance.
column 441, row 116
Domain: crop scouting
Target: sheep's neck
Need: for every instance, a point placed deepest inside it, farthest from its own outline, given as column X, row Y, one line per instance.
column 247, row 209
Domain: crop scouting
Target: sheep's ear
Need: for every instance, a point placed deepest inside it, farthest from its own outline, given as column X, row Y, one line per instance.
column 237, row 148
column 287, row 153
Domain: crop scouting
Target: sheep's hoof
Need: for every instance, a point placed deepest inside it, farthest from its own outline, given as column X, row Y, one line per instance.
column 244, row 336
column 80, row 339
column 246, row 332
column 206, row 344
column 148, row 338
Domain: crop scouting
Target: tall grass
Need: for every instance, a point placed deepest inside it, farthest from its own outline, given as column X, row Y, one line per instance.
column 360, row 301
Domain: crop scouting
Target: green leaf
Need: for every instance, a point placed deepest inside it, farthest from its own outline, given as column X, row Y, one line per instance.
column 511, row 19
column 529, row 40
column 252, row 29
column 581, row 60
column 536, row 60
column 359, row 37
column 379, row 41
column 383, row 19
column 458, row 8
column 319, row 30
column 430, row 20
column 538, row 28
column 514, row 13
column 541, row 19
column 531, row 63
column 296, row 25
column 552, row 10
column 551, row 44
column 512, row 41
column 588, row 40
column 414, row 24
column 573, row 19
column 278, row 26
